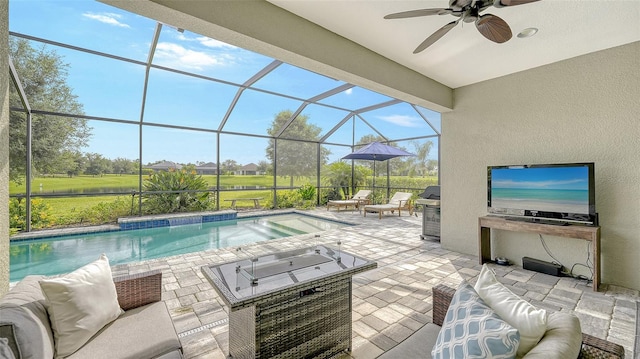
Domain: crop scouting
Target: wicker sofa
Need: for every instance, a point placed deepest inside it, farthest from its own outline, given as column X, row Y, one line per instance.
column 145, row 330
column 419, row 344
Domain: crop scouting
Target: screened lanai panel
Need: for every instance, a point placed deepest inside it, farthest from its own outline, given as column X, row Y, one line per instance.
column 335, row 175
column 296, row 162
column 245, row 171
column 355, row 98
column 188, row 101
column 87, row 24
column 432, row 117
column 244, row 163
column 398, row 121
column 80, row 83
column 256, row 113
column 17, row 150
column 296, row 82
column 364, row 133
column 415, row 173
column 173, row 146
column 194, row 53
column 107, row 163
column 314, row 122
column 343, row 134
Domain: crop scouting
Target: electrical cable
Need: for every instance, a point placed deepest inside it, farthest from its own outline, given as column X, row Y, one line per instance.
column 588, row 263
column 544, row 244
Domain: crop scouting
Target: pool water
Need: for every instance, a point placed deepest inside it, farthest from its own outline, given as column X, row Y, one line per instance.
column 65, row 254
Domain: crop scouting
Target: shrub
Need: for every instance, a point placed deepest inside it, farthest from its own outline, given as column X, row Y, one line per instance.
column 307, row 192
column 40, row 214
column 173, row 182
column 285, row 199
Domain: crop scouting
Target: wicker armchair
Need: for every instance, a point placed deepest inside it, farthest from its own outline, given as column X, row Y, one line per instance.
column 592, row 347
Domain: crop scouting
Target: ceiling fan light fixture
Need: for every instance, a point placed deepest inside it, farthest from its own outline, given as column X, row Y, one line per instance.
column 528, row 32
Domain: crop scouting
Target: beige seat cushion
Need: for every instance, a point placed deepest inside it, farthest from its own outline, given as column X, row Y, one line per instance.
column 144, row 332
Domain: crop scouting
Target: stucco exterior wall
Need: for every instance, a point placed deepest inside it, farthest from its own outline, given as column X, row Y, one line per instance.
column 584, row 109
column 4, row 148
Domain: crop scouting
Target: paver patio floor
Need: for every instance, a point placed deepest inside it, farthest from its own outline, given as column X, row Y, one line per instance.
column 392, row 301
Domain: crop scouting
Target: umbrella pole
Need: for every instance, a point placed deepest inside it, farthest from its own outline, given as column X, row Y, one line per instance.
column 374, row 180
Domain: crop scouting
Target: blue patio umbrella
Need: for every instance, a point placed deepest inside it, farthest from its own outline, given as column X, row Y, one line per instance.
column 376, row 151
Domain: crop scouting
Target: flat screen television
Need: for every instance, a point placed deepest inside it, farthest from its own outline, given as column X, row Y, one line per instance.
column 550, row 193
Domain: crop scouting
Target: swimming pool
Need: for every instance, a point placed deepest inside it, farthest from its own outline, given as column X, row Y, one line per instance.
column 64, row 254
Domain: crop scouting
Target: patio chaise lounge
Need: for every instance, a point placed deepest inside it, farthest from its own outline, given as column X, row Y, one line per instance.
column 399, row 201
column 360, row 198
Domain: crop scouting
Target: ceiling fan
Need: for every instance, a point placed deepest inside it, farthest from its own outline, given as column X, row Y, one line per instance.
column 490, row 26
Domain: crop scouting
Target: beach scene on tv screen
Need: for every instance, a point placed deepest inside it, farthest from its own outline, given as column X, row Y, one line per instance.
column 552, row 189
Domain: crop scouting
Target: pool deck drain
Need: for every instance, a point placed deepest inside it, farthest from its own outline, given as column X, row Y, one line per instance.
column 203, row 327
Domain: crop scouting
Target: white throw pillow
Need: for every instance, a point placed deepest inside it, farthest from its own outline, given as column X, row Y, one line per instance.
column 530, row 321
column 80, row 304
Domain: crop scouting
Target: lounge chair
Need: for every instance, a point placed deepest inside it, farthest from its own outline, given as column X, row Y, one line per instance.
column 399, row 201
column 360, row 198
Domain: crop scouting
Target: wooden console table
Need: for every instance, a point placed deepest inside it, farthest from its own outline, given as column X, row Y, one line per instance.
column 588, row 233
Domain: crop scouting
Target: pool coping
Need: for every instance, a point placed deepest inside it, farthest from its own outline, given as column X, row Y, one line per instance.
column 157, row 221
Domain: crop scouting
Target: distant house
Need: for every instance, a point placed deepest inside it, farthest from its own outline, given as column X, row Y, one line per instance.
column 249, row 169
column 208, row 168
column 164, row 166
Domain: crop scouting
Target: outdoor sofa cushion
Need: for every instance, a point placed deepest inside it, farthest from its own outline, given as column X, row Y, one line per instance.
column 144, row 332
column 562, row 340
column 141, row 332
column 80, row 304
column 24, row 321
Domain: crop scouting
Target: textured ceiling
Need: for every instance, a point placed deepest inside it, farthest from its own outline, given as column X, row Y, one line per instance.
column 567, row 28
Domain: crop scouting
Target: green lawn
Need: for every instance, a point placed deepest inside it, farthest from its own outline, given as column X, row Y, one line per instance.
column 62, row 183
column 66, row 207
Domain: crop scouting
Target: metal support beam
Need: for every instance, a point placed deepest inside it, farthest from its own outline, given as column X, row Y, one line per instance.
column 373, row 128
column 377, row 106
column 260, row 74
column 152, row 50
column 25, row 104
column 314, row 99
column 336, row 127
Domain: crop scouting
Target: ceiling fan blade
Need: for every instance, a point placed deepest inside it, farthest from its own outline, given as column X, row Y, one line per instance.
column 417, row 13
column 493, row 28
column 459, row 4
column 503, row 3
column 435, row 36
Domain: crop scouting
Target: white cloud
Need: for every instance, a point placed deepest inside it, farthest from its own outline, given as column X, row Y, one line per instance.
column 348, row 91
column 107, row 18
column 174, row 55
column 402, row 120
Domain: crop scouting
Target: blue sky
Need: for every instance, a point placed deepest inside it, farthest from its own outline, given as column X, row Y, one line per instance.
column 567, row 178
column 113, row 89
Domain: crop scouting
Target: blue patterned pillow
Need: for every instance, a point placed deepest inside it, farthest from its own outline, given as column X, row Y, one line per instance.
column 473, row 330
